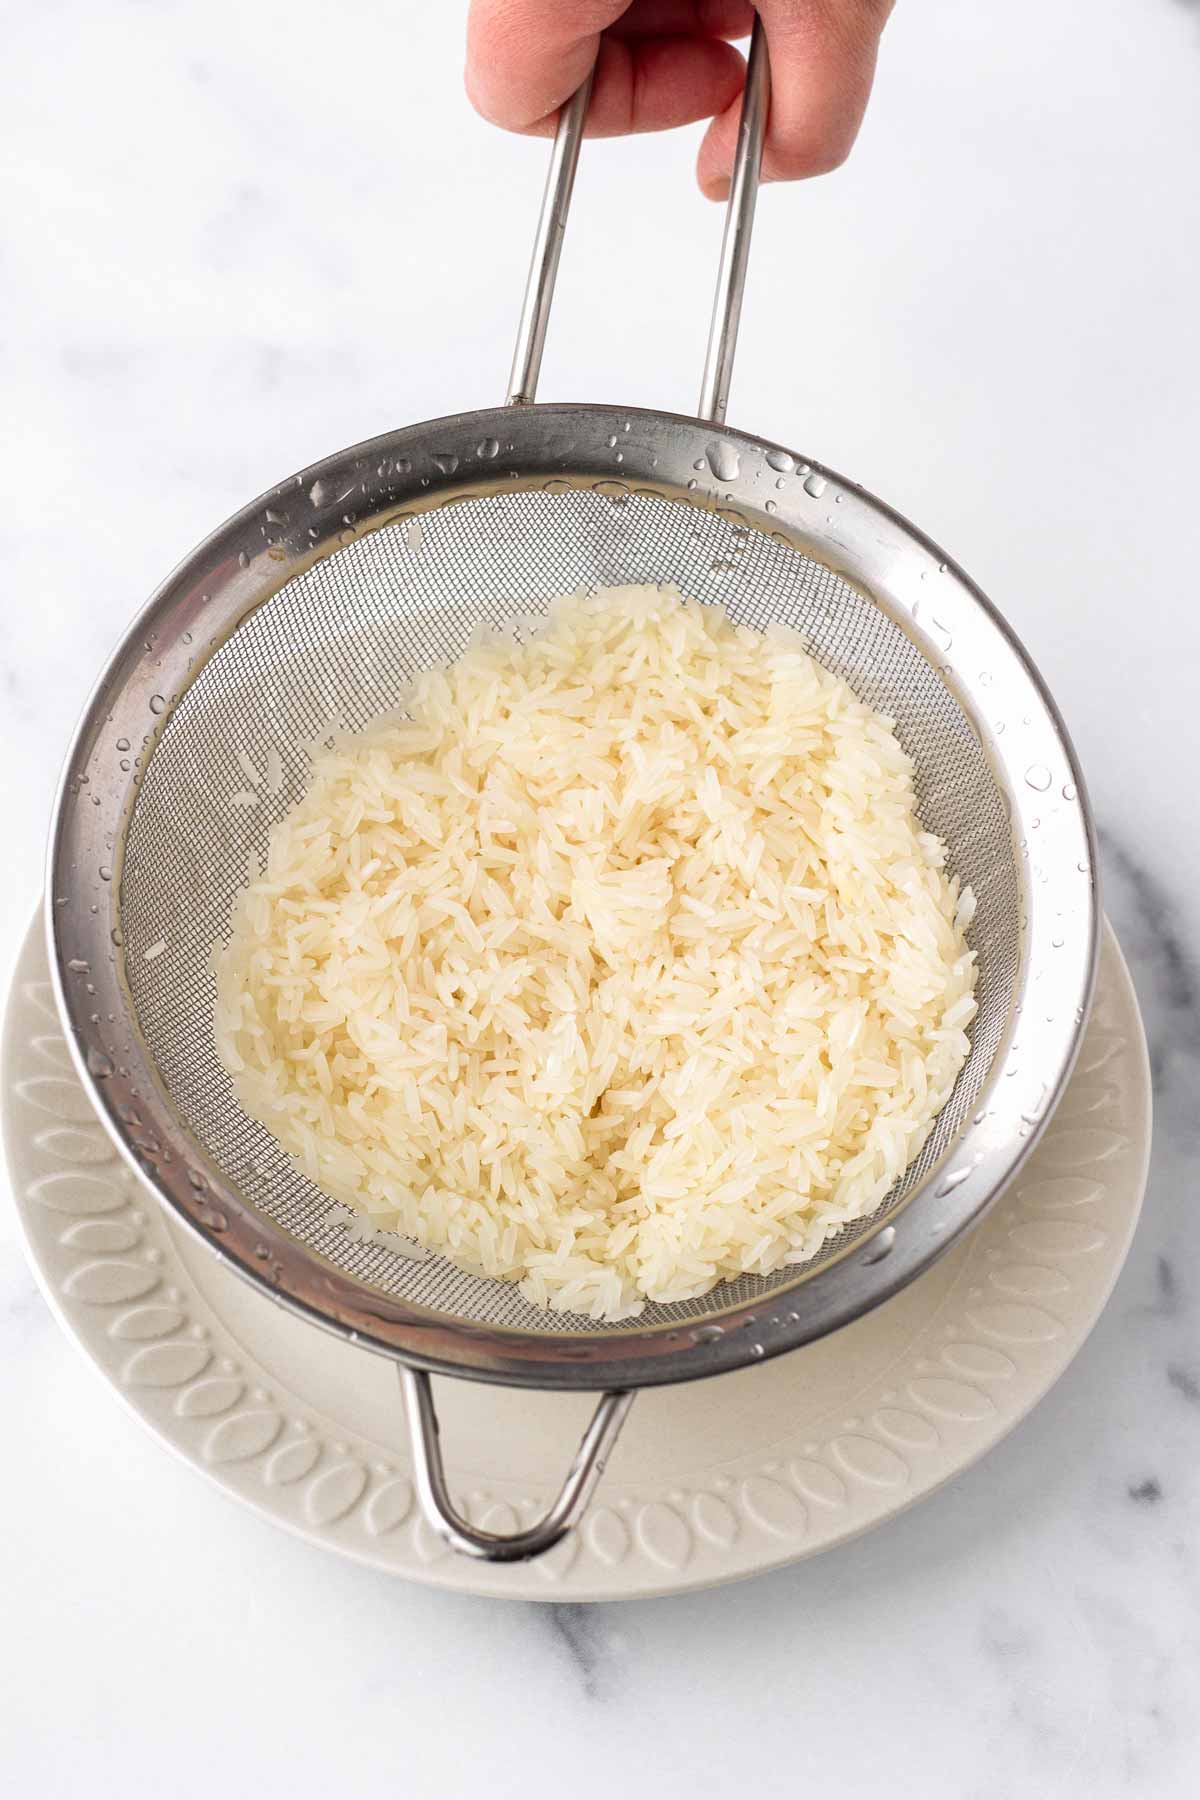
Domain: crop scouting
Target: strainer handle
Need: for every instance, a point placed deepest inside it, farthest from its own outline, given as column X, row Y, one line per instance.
column 429, row 1477
column 735, row 245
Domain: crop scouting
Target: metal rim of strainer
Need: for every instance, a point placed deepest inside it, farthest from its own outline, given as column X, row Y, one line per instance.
column 527, row 447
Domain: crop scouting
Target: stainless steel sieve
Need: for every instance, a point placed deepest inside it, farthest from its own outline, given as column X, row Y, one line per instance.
column 312, row 608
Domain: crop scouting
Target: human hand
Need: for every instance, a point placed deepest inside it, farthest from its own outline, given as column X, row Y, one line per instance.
column 661, row 63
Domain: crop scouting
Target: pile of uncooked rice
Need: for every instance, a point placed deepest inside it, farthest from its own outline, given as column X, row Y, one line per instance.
column 619, row 965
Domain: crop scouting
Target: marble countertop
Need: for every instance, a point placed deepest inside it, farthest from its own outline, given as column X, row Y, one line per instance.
column 241, row 236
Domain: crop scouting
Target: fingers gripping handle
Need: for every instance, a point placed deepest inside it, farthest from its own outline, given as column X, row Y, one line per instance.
column 430, row 1478
column 735, row 247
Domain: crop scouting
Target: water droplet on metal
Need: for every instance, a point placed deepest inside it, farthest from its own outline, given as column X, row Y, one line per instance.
column 212, row 1218
column 157, row 704
column 490, row 447
column 105, row 872
column 611, row 440
column 780, row 461
column 693, row 484
column 243, row 559
column 723, row 460
column 815, row 485
column 319, row 493
column 273, row 517
column 122, row 743
column 708, row 1334
column 953, row 1179
column 78, row 966
column 1070, row 792
column 446, row 461
column 881, row 1246
column 771, row 507
column 99, row 1065
column 1038, row 777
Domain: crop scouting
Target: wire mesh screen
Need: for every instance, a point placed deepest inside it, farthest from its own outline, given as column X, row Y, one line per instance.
column 338, row 644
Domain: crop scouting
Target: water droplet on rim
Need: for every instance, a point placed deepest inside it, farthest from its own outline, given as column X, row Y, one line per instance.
column 157, row 704
column 723, row 460
column 814, row 485
column 1038, row 777
column 490, row 447
column 100, row 1065
column 780, row 461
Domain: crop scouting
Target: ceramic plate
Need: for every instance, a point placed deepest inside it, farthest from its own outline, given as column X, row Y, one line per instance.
column 709, row 1482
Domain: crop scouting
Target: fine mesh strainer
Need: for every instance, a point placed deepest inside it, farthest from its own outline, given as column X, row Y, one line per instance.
column 310, row 611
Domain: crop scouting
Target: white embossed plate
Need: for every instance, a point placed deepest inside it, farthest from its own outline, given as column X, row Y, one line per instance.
column 710, row 1481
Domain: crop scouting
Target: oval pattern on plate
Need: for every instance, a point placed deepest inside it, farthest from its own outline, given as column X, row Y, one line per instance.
column 818, row 1482
column 1058, row 1237
column 332, row 1494
column 82, row 1196
column 1068, row 1148
column 1099, row 1049
column 557, row 1562
column 427, row 1544
column 53, row 1049
column 956, row 1400
column 714, row 1520
column 496, row 1516
column 1028, row 1281
column 663, row 1535
column 292, row 1461
column 71, row 1144
column 773, row 1507
column 209, row 1398
column 143, row 1322
column 905, row 1428
column 243, row 1435
column 1013, row 1324
column 607, row 1536
column 1060, row 1192
column 59, row 1095
column 870, row 1461
column 389, row 1506
column 101, row 1236
column 1088, row 1103
column 108, row 1283
column 979, row 1360
column 167, row 1365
